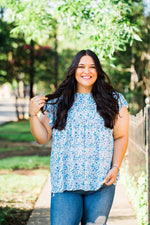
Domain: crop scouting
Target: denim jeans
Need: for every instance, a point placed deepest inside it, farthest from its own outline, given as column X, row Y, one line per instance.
column 87, row 207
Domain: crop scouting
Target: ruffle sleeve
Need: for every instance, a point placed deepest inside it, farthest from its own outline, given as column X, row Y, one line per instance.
column 122, row 102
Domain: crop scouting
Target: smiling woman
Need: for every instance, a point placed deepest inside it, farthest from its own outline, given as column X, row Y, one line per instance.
column 88, row 121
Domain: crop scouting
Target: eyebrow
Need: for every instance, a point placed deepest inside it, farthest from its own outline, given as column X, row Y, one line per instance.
column 84, row 64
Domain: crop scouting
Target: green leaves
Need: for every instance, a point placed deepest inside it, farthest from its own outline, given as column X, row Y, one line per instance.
column 136, row 37
column 104, row 25
column 32, row 18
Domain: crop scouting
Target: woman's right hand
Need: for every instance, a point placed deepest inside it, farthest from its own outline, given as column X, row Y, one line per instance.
column 39, row 126
column 36, row 104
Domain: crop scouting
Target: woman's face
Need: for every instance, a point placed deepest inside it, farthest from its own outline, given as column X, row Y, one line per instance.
column 85, row 74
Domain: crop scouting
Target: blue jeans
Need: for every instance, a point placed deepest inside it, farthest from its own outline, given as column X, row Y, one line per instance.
column 87, row 207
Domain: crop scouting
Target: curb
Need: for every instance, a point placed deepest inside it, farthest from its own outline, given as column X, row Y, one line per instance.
column 41, row 213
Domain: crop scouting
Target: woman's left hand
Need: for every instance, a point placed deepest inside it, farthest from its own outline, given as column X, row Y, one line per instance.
column 111, row 176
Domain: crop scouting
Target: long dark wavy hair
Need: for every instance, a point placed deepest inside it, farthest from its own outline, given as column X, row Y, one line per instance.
column 105, row 96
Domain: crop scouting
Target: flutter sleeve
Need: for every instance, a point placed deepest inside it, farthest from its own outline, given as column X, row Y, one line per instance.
column 122, row 102
column 51, row 111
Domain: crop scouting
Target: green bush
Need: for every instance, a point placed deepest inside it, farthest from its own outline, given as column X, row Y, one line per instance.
column 138, row 194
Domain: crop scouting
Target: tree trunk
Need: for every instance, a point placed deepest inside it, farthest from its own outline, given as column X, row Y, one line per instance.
column 1, row 14
column 22, row 100
column 32, row 72
column 16, row 103
column 56, row 62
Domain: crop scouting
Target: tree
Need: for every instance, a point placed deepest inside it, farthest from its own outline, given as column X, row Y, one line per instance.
column 6, row 43
column 106, row 26
column 132, row 67
column 104, row 23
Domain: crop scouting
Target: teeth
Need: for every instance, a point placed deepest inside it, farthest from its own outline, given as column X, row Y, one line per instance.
column 86, row 77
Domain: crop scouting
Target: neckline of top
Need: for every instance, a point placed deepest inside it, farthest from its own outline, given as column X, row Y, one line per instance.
column 83, row 94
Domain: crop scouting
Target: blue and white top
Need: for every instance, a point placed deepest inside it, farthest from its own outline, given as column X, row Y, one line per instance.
column 82, row 153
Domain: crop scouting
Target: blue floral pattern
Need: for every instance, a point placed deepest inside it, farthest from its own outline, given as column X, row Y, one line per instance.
column 82, row 153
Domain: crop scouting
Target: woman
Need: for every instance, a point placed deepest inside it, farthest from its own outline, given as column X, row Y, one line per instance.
column 88, row 121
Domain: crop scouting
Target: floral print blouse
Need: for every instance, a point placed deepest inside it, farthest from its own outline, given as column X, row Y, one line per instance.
column 82, row 153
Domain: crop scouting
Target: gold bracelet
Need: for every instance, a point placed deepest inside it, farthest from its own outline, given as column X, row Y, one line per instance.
column 32, row 115
column 115, row 166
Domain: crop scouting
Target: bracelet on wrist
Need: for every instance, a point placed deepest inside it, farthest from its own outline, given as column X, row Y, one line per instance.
column 30, row 115
column 115, row 166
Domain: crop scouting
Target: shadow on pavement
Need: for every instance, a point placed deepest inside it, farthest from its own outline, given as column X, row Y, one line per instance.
column 40, row 216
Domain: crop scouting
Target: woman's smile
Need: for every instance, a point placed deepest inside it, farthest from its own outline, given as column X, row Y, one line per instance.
column 86, row 77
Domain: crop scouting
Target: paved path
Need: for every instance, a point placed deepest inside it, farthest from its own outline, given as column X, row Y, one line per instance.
column 8, row 109
column 121, row 212
column 41, row 212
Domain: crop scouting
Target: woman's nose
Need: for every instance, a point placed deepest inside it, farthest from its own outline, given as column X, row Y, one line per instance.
column 86, row 70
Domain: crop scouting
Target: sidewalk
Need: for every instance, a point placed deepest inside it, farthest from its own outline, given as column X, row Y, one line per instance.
column 7, row 110
column 41, row 212
column 121, row 212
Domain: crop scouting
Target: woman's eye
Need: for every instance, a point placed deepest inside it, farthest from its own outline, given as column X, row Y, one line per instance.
column 91, row 67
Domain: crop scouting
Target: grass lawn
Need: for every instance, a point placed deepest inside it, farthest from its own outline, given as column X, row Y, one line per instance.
column 25, row 162
column 18, row 194
column 20, row 190
column 16, row 131
column 21, row 177
column 12, row 148
column 21, row 181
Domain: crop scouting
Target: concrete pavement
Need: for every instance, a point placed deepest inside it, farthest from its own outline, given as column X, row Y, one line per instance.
column 41, row 212
column 121, row 212
column 8, row 109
